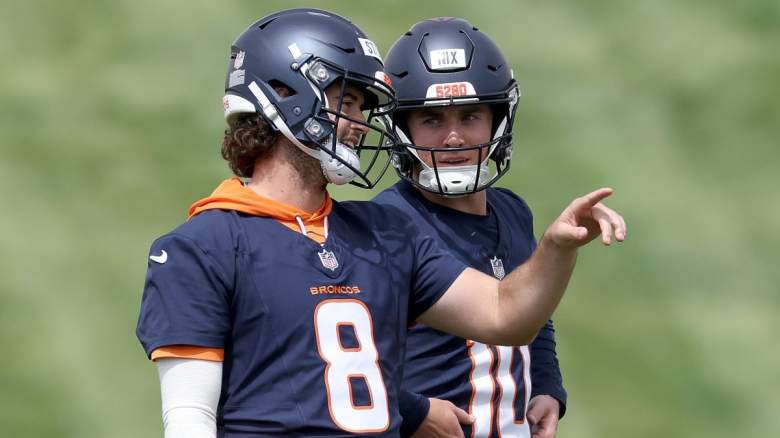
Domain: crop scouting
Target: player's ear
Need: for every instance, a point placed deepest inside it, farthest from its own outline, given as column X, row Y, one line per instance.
column 281, row 90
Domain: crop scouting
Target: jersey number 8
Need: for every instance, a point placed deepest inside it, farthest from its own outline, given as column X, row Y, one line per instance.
column 346, row 363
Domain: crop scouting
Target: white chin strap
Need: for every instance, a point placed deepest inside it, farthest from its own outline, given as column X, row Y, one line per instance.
column 455, row 180
column 334, row 170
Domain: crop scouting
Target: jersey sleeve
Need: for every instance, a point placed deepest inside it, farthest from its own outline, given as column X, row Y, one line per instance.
column 434, row 271
column 545, row 371
column 413, row 408
column 185, row 299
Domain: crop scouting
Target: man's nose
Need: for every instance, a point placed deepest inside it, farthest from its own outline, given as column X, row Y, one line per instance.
column 454, row 139
column 359, row 116
column 359, row 126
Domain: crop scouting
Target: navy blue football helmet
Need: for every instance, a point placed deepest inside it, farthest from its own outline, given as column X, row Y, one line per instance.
column 304, row 51
column 444, row 62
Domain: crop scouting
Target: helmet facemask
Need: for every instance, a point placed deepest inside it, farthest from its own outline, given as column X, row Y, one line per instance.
column 364, row 162
column 493, row 157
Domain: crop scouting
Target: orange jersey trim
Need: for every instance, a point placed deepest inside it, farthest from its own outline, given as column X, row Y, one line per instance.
column 232, row 194
column 189, row 352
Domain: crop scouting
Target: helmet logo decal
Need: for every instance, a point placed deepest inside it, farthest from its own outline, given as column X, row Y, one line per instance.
column 445, row 94
column 384, row 77
column 447, row 59
column 370, row 49
column 239, row 61
column 450, row 89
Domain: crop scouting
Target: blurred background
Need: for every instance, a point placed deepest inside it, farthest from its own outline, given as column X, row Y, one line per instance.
column 110, row 124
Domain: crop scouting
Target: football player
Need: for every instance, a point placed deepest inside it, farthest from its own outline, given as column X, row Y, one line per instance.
column 456, row 105
column 275, row 311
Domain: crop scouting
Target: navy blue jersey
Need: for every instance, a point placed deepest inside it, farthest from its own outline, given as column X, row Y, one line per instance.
column 490, row 382
column 313, row 335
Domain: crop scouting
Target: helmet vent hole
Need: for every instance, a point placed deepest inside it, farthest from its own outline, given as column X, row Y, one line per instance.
column 281, row 89
column 263, row 25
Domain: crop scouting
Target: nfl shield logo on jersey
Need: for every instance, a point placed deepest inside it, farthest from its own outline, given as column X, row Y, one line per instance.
column 328, row 259
column 498, row 267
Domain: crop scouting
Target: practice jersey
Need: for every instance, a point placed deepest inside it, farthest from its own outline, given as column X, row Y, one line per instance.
column 492, row 383
column 313, row 335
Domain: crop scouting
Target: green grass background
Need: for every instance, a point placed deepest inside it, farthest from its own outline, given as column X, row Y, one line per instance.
column 109, row 129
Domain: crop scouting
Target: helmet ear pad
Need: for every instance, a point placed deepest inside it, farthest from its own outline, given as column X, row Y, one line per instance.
column 500, row 111
column 403, row 160
column 503, row 152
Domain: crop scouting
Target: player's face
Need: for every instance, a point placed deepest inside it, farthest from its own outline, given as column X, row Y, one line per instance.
column 348, row 132
column 451, row 127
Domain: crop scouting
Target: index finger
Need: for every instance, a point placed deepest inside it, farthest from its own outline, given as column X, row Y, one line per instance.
column 593, row 198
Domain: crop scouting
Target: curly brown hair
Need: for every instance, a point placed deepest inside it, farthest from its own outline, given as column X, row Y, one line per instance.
column 248, row 138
